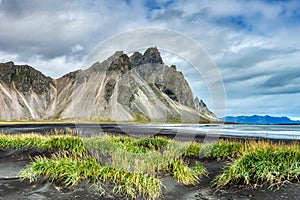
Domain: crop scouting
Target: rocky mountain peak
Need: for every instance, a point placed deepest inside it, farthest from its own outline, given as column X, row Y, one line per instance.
column 136, row 59
column 152, row 55
column 114, row 57
column 121, row 63
column 24, row 77
column 9, row 63
column 173, row 67
column 201, row 106
column 96, row 67
column 6, row 72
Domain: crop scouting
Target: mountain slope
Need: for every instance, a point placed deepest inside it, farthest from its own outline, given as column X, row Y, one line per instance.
column 25, row 93
column 122, row 88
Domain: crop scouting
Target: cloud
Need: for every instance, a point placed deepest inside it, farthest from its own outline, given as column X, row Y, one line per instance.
column 4, row 57
column 256, row 49
column 53, row 67
column 264, row 104
column 52, row 31
column 255, row 44
column 36, row 27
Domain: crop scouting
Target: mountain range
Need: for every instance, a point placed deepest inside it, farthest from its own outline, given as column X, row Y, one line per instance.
column 256, row 119
column 139, row 87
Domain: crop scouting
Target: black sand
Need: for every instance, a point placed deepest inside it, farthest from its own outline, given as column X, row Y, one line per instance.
column 11, row 187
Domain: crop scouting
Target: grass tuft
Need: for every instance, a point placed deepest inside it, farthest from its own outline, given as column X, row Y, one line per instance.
column 71, row 169
column 131, row 165
column 186, row 175
column 125, row 165
column 194, row 149
column 263, row 163
column 223, row 149
column 151, row 155
column 59, row 142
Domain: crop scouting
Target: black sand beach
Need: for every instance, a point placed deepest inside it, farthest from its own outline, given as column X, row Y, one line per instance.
column 12, row 161
column 11, row 187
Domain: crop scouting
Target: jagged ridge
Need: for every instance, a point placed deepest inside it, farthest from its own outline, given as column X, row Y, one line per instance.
column 140, row 87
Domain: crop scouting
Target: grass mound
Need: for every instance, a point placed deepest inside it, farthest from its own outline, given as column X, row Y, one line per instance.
column 124, row 165
column 61, row 142
column 151, row 155
column 194, row 149
column 263, row 163
column 131, row 167
column 224, row 149
column 71, row 169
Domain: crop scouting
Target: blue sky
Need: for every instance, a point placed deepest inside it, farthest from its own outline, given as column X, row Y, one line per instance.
column 254, row 44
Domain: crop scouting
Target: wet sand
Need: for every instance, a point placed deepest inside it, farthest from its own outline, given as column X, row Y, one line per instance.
column 11, row 187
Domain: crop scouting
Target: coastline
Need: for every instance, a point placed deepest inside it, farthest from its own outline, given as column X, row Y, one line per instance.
column 13, row 160
column 197, row 132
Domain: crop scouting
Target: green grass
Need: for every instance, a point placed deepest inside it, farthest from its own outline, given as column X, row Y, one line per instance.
column 223, row 150
column 153, row 156
column 59, row 142
column 156, row 143
column 263, row 163
column 141, row 118
column 184, row 174
column 125, row 165
column 131, row 167
column 194, row 149
column 71, row 169
column 253, row 163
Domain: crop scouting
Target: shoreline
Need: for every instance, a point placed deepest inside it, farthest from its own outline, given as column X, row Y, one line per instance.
column 171, row 131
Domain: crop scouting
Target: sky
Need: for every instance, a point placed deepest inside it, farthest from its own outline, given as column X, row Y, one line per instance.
column 255, row 45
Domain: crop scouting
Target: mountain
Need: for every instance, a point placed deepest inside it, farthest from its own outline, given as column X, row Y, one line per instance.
column 256, row 119
column 122, row 88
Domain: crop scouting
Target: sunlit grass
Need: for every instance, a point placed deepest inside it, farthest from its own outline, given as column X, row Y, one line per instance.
column 131, row 167
column 194, row 149
column 71, row 169
column 263, row 163
column 224, row 149
column 60, row 142
column 150, row 155
column 186, row 175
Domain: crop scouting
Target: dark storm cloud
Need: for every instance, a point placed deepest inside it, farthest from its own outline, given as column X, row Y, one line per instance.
column 37, row 27
column 283, row 82
column 23, row 8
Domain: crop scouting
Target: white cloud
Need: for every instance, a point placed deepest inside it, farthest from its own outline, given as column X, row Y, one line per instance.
column 55, row 67
column 263, row 105
column 255, row 44
column 5, row 57
column 295, row 118
column 77, row 48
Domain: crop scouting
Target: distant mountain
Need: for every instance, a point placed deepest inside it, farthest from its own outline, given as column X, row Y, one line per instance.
column 139, row 87
column 256, row 119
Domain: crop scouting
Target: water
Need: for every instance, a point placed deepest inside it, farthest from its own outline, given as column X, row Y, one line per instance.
column 182, row 130
column 263, row 131
column 240, row 130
